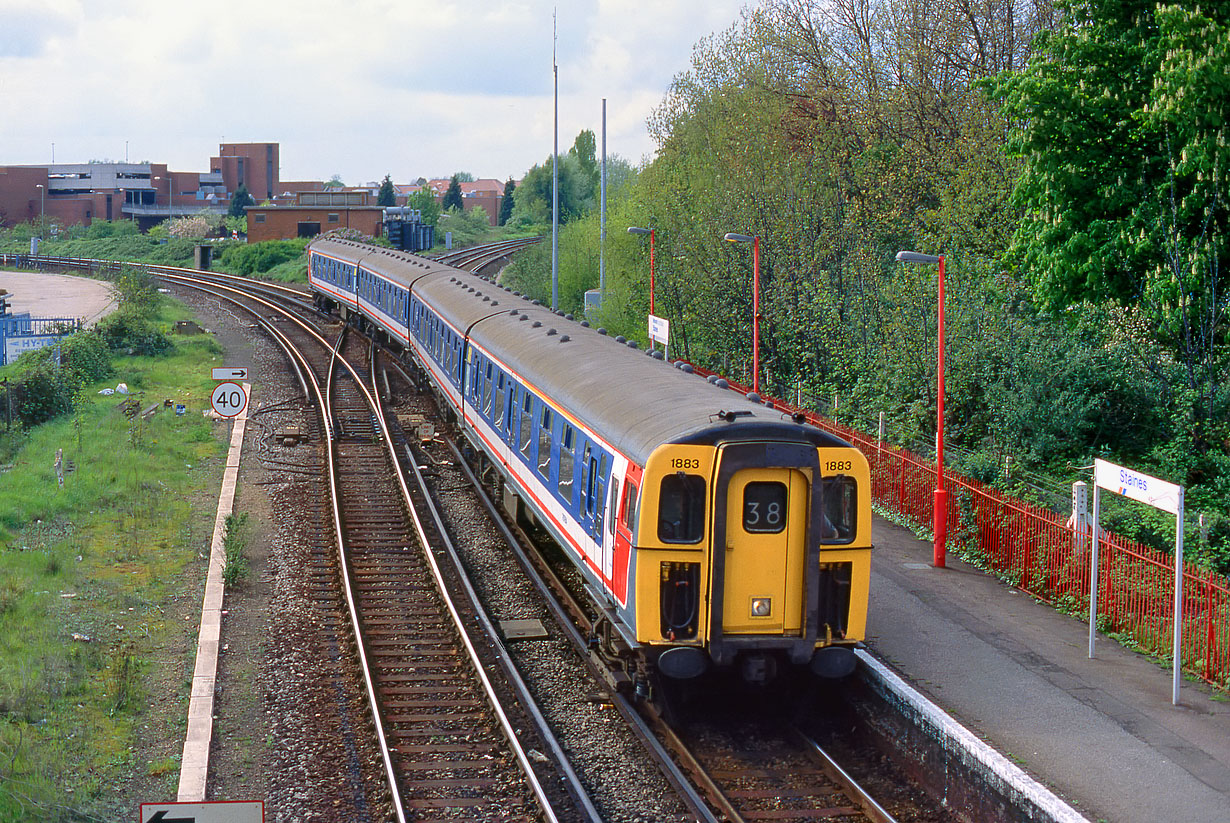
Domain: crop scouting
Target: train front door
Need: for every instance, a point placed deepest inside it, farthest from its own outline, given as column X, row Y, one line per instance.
column 766, row 528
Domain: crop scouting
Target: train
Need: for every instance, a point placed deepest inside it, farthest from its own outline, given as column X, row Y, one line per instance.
column 712, row 530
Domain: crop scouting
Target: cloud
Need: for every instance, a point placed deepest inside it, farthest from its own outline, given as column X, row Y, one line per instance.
column 28, row 27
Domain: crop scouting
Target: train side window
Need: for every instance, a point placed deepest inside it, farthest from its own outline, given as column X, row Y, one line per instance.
column 589, row 468
column 472, row 375
column 497, row 414
column 487, row 391
column 611, row 503
column 628, row 516
column 527, row 424
column 764, row 507
column 681, row 508
column 839, row 509
column 567, row 465
column 544, row 444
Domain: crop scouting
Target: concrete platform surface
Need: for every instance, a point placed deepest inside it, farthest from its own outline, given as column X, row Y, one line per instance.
column 1101, row 733
column 58, row 295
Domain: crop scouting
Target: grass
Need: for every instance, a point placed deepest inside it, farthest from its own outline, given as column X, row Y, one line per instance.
column 90, row 573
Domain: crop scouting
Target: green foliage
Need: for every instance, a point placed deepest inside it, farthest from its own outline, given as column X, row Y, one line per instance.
column 126, row 333
column 506, row 205
column 240, row 200
column 138, row 291
column 1120, row 119
column 532, row 199
column 452, row 197
column 235, row 567
column 426, row 203
column 258, row 258
column 387, row 195
column 468, row 228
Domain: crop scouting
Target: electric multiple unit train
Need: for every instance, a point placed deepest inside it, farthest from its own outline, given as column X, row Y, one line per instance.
column 712, row 530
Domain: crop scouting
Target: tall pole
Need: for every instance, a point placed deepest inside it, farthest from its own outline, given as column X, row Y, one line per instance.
column 555, row 177
column 940, row 516
column 756, row 314
column 755, row 241
column 652, row 236
column 602, row 215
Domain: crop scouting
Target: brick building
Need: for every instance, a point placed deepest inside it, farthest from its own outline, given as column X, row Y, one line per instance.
column 314, row 213
column 145, row 192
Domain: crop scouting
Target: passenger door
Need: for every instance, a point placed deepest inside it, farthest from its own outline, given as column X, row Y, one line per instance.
column 766, row 528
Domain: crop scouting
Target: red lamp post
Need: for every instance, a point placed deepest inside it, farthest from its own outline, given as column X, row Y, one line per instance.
column 755, row 241
column 940, row 511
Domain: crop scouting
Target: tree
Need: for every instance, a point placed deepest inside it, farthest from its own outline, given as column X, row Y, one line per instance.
column 532, row 199
column 1120, row 119
column 425, row 201
column 452, row 197
column 506, row 205
column 335, row 182
column 464, row 177
column 387, row 195
column 240, row 200
column 584, row 150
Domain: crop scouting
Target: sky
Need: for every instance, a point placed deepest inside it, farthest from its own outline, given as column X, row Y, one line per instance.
column 359, row 89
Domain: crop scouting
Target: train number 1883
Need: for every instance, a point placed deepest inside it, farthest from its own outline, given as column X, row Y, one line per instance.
column 685, row 463
column 835, row 466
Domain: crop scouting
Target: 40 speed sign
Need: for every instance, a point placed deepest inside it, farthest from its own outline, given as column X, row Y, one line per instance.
column 229, row 399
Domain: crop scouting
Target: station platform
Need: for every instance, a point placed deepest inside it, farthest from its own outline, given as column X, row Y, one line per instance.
column 1101, row 733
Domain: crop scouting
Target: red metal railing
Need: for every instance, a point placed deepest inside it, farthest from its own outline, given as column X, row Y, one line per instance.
column 1035, row 550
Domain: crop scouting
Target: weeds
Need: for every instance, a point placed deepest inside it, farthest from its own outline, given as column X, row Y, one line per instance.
column 234, row 542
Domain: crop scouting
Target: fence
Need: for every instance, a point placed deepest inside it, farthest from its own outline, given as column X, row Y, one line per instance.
column 1035, row 550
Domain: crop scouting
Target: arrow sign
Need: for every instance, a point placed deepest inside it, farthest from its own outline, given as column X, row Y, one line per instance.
column 161, row 817
column 230, row 373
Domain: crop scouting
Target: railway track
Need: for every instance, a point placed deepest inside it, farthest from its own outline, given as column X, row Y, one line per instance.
column 758, row 769
column 454, row 735
column 448, row 752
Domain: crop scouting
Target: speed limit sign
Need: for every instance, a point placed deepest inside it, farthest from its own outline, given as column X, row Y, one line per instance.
column 229, row 399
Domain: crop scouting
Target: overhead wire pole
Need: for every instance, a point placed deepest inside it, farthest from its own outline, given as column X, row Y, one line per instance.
column 602, row 217
column 555, row 174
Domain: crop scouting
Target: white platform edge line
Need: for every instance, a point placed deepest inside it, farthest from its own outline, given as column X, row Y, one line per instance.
column 1012, row 775
column 194, row 765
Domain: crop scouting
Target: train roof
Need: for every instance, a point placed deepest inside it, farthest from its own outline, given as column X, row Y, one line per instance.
column 634, row 401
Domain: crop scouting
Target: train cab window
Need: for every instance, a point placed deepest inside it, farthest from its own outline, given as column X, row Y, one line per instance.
column 566, row 464
column 839, row 522
column 764, row 507
column 544, row 444
column 681, row 508
column 628, row 515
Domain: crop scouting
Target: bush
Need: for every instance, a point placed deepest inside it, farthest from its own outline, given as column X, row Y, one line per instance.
column 126, row 333
column 260, row 257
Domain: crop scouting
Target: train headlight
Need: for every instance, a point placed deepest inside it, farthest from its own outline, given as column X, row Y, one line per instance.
column 762, row 606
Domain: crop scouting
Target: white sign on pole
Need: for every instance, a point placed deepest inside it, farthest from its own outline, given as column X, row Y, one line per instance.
column 1161, row 495
column 218, row 811
column 230, row 373
column 229, row 399
column 1137, row 486
column 659, row 329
